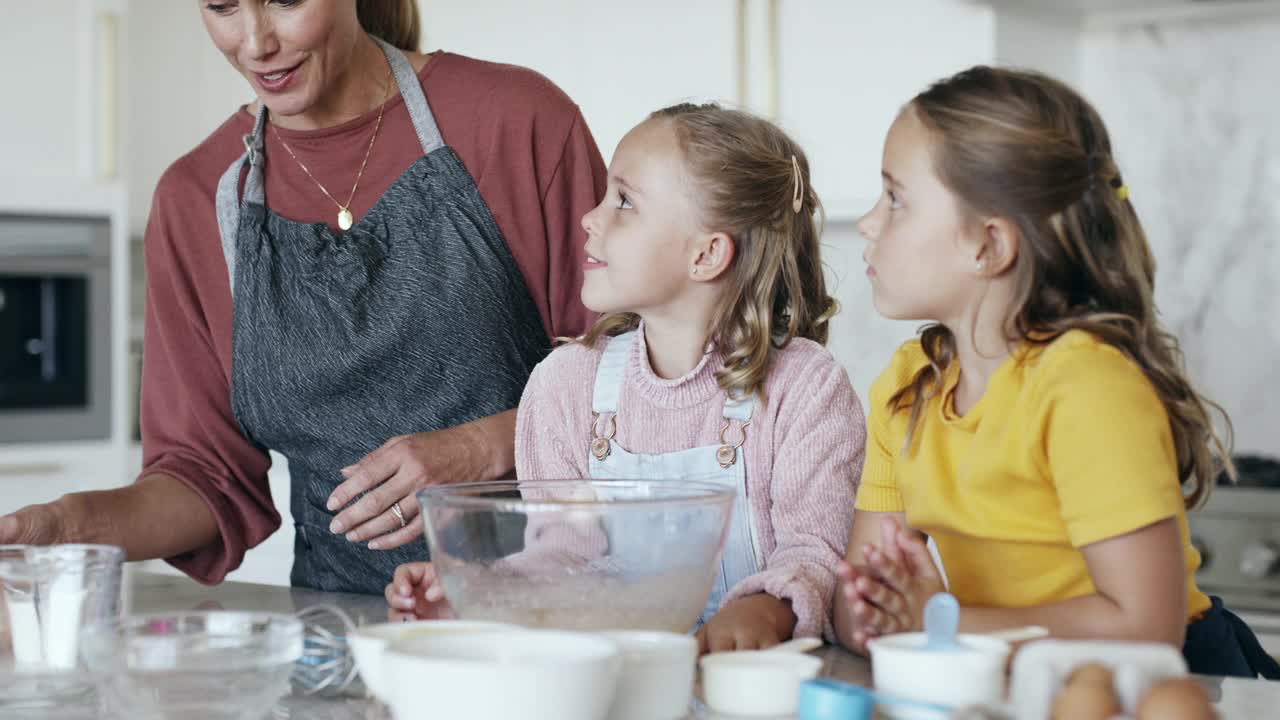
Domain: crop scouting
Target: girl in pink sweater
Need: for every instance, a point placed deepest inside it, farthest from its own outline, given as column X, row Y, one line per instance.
column 707, row 363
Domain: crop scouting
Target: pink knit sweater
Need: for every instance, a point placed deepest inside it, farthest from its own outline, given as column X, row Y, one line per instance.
column 804, row 452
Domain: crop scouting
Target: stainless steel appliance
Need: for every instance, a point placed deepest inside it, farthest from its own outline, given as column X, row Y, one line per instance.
column 55, row 330
column 1238, row 536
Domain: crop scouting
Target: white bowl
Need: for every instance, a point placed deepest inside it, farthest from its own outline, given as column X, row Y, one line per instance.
column 527, row 674
column 368, row 643
column 972, row 674
column 657, row 675
column 756, row 682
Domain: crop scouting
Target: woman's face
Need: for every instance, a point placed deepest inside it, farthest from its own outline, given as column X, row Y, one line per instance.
column 291, row 51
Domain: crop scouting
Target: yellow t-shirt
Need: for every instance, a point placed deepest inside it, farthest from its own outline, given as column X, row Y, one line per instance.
column 1069, row 445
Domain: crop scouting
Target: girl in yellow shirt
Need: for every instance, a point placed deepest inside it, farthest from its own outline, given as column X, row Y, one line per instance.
column 1042, row 430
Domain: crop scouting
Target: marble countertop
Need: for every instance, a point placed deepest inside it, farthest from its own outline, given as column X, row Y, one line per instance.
column 151, row 593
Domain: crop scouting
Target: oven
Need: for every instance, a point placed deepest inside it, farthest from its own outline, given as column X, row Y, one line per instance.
column 55, row 310
column 1238, row 536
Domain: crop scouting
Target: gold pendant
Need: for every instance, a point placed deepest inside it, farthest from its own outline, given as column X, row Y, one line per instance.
column 726, row 455
column 344, row 219
column 600, row 448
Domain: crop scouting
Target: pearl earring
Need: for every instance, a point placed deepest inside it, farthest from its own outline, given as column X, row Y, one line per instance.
column 978, row 265
column 695, row 271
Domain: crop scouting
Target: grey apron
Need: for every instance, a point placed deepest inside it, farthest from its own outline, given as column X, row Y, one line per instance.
column 416, row 319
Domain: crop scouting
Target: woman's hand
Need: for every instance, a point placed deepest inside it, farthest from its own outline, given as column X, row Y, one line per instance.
column 415, row 593
column 387, row 478
column 754, row 622
column 33, row 525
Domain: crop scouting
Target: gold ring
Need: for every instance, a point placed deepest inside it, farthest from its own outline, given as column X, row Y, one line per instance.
column 395, row 510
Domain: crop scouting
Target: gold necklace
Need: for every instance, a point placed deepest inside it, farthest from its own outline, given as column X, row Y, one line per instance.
column 345, row 218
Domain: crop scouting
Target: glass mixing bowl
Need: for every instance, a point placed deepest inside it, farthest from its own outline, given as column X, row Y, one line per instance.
column 193, row 666
column 578, row 554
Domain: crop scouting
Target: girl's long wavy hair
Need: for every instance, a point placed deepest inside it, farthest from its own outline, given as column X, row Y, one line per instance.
column 1027, row 147
column 742, row 167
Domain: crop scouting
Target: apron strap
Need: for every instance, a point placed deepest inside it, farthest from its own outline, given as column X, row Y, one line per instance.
column 611, row 373
column 228, row 199
column 415, row 101
column 227, row 202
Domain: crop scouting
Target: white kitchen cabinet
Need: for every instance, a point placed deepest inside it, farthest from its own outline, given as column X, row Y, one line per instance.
column 32, row 483
column 30, row 475
column 618, row 61
column 109, row 91
column 181, row 90
column 833, row 72
column 846, row 68
column 63, row 89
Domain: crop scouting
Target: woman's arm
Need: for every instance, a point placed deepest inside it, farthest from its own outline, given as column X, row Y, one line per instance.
column 202, row 498
column 158, row 516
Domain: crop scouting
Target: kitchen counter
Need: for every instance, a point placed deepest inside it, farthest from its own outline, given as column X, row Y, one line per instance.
column 149, row 592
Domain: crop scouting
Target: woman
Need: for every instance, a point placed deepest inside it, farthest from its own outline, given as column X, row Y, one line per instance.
column 358, row 271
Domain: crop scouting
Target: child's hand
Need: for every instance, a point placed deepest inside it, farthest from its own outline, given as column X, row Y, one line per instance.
column 888, row 594
column 750, row 623
column 415, row 593
column 905, row 578
column 849, row 603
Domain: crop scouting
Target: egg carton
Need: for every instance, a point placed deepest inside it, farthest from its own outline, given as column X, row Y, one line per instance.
column 1040, row 670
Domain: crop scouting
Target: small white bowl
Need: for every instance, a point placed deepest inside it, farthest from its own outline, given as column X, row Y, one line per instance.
column 657, row 675
column 972, row 674
column 529, row 674
column 369, row 641
column 756, row 682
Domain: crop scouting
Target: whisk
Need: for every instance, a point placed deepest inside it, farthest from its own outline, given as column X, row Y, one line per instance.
column 327, row 665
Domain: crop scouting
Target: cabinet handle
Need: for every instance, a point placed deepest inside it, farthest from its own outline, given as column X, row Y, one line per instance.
column 741, row 48
column 775, row 59
column 31, row 469
column 107, row 48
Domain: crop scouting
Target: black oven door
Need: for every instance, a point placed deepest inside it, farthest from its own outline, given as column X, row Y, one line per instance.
column 55, row 329
column 44, row 353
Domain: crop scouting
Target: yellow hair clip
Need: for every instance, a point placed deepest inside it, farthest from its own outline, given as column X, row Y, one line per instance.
column 1122, row 192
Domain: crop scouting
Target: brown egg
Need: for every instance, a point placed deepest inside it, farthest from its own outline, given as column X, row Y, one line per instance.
column 1087, row 695
column 1176, row 699
column 1092, row 674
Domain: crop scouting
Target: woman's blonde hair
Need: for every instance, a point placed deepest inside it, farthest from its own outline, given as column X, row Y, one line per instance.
column 1026, row 147
column 395, row 21
column 749, row 176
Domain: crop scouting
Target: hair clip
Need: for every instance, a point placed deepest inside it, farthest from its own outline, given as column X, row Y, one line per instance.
column 1122, row 190
column 797, row 197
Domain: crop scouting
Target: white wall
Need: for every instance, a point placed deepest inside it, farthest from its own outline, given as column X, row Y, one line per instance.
column 1041, row 41
column 1192, row 109
column 42, row 90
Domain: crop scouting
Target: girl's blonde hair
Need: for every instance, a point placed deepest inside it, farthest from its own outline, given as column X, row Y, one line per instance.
column 1024, row 146
column 395, row 21
column 748, row 172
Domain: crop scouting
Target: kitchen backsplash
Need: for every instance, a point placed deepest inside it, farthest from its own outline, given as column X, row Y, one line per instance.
column 1193, row 111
